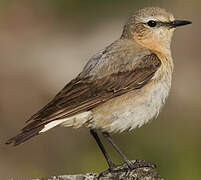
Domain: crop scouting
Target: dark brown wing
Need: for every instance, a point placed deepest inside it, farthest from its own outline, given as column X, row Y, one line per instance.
column 84, row 94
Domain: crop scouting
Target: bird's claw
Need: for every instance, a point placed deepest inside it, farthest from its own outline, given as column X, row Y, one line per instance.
column 112, row 167
column 140, row 164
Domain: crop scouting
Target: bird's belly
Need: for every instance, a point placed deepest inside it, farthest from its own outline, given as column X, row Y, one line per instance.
column 132, row 109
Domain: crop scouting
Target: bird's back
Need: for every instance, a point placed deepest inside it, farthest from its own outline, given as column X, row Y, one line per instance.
column 122, row 55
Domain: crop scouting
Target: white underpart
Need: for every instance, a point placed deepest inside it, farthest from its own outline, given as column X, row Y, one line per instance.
column 134, row 109
column 141, row 111
column 51, row 125
column 73, row 121
column 78, row 120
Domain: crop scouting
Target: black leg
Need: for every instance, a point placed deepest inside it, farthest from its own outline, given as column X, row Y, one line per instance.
column 108, row 159
column 130, row 164
column 107, row 136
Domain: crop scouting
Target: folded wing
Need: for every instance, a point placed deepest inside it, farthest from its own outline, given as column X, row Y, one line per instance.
column 83, row 94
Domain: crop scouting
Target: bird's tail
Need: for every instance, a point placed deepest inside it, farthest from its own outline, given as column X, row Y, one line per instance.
column 36, row 127
column 32, row 129
column 25, row 135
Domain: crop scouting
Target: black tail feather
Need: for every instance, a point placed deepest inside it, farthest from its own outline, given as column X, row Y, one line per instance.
column 24, row 136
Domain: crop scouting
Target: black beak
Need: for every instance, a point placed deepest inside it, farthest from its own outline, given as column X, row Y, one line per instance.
column 177, row 23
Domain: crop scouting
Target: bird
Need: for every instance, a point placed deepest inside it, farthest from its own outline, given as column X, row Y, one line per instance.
column 121, row 88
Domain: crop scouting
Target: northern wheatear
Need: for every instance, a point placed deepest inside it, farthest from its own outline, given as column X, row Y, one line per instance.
column 121, row 88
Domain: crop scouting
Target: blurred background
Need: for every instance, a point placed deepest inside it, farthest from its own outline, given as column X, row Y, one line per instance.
column 44, row 44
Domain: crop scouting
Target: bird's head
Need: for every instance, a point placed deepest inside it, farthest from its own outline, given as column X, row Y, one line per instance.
column 152, row 28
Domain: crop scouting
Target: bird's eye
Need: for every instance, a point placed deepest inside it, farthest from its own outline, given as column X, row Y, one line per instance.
column 151, row 23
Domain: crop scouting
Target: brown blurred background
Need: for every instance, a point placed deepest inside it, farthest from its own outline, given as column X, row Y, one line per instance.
column 43, row 44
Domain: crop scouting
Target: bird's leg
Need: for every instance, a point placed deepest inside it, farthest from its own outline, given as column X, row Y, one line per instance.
column 130, row 164
column 107, row 136
column 108, row 159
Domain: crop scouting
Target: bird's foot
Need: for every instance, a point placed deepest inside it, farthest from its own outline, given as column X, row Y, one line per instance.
column 127, row 167
column 140, row 164
column 112, row 167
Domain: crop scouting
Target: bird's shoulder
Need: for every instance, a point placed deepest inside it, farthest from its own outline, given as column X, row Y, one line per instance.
column 120, row 56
